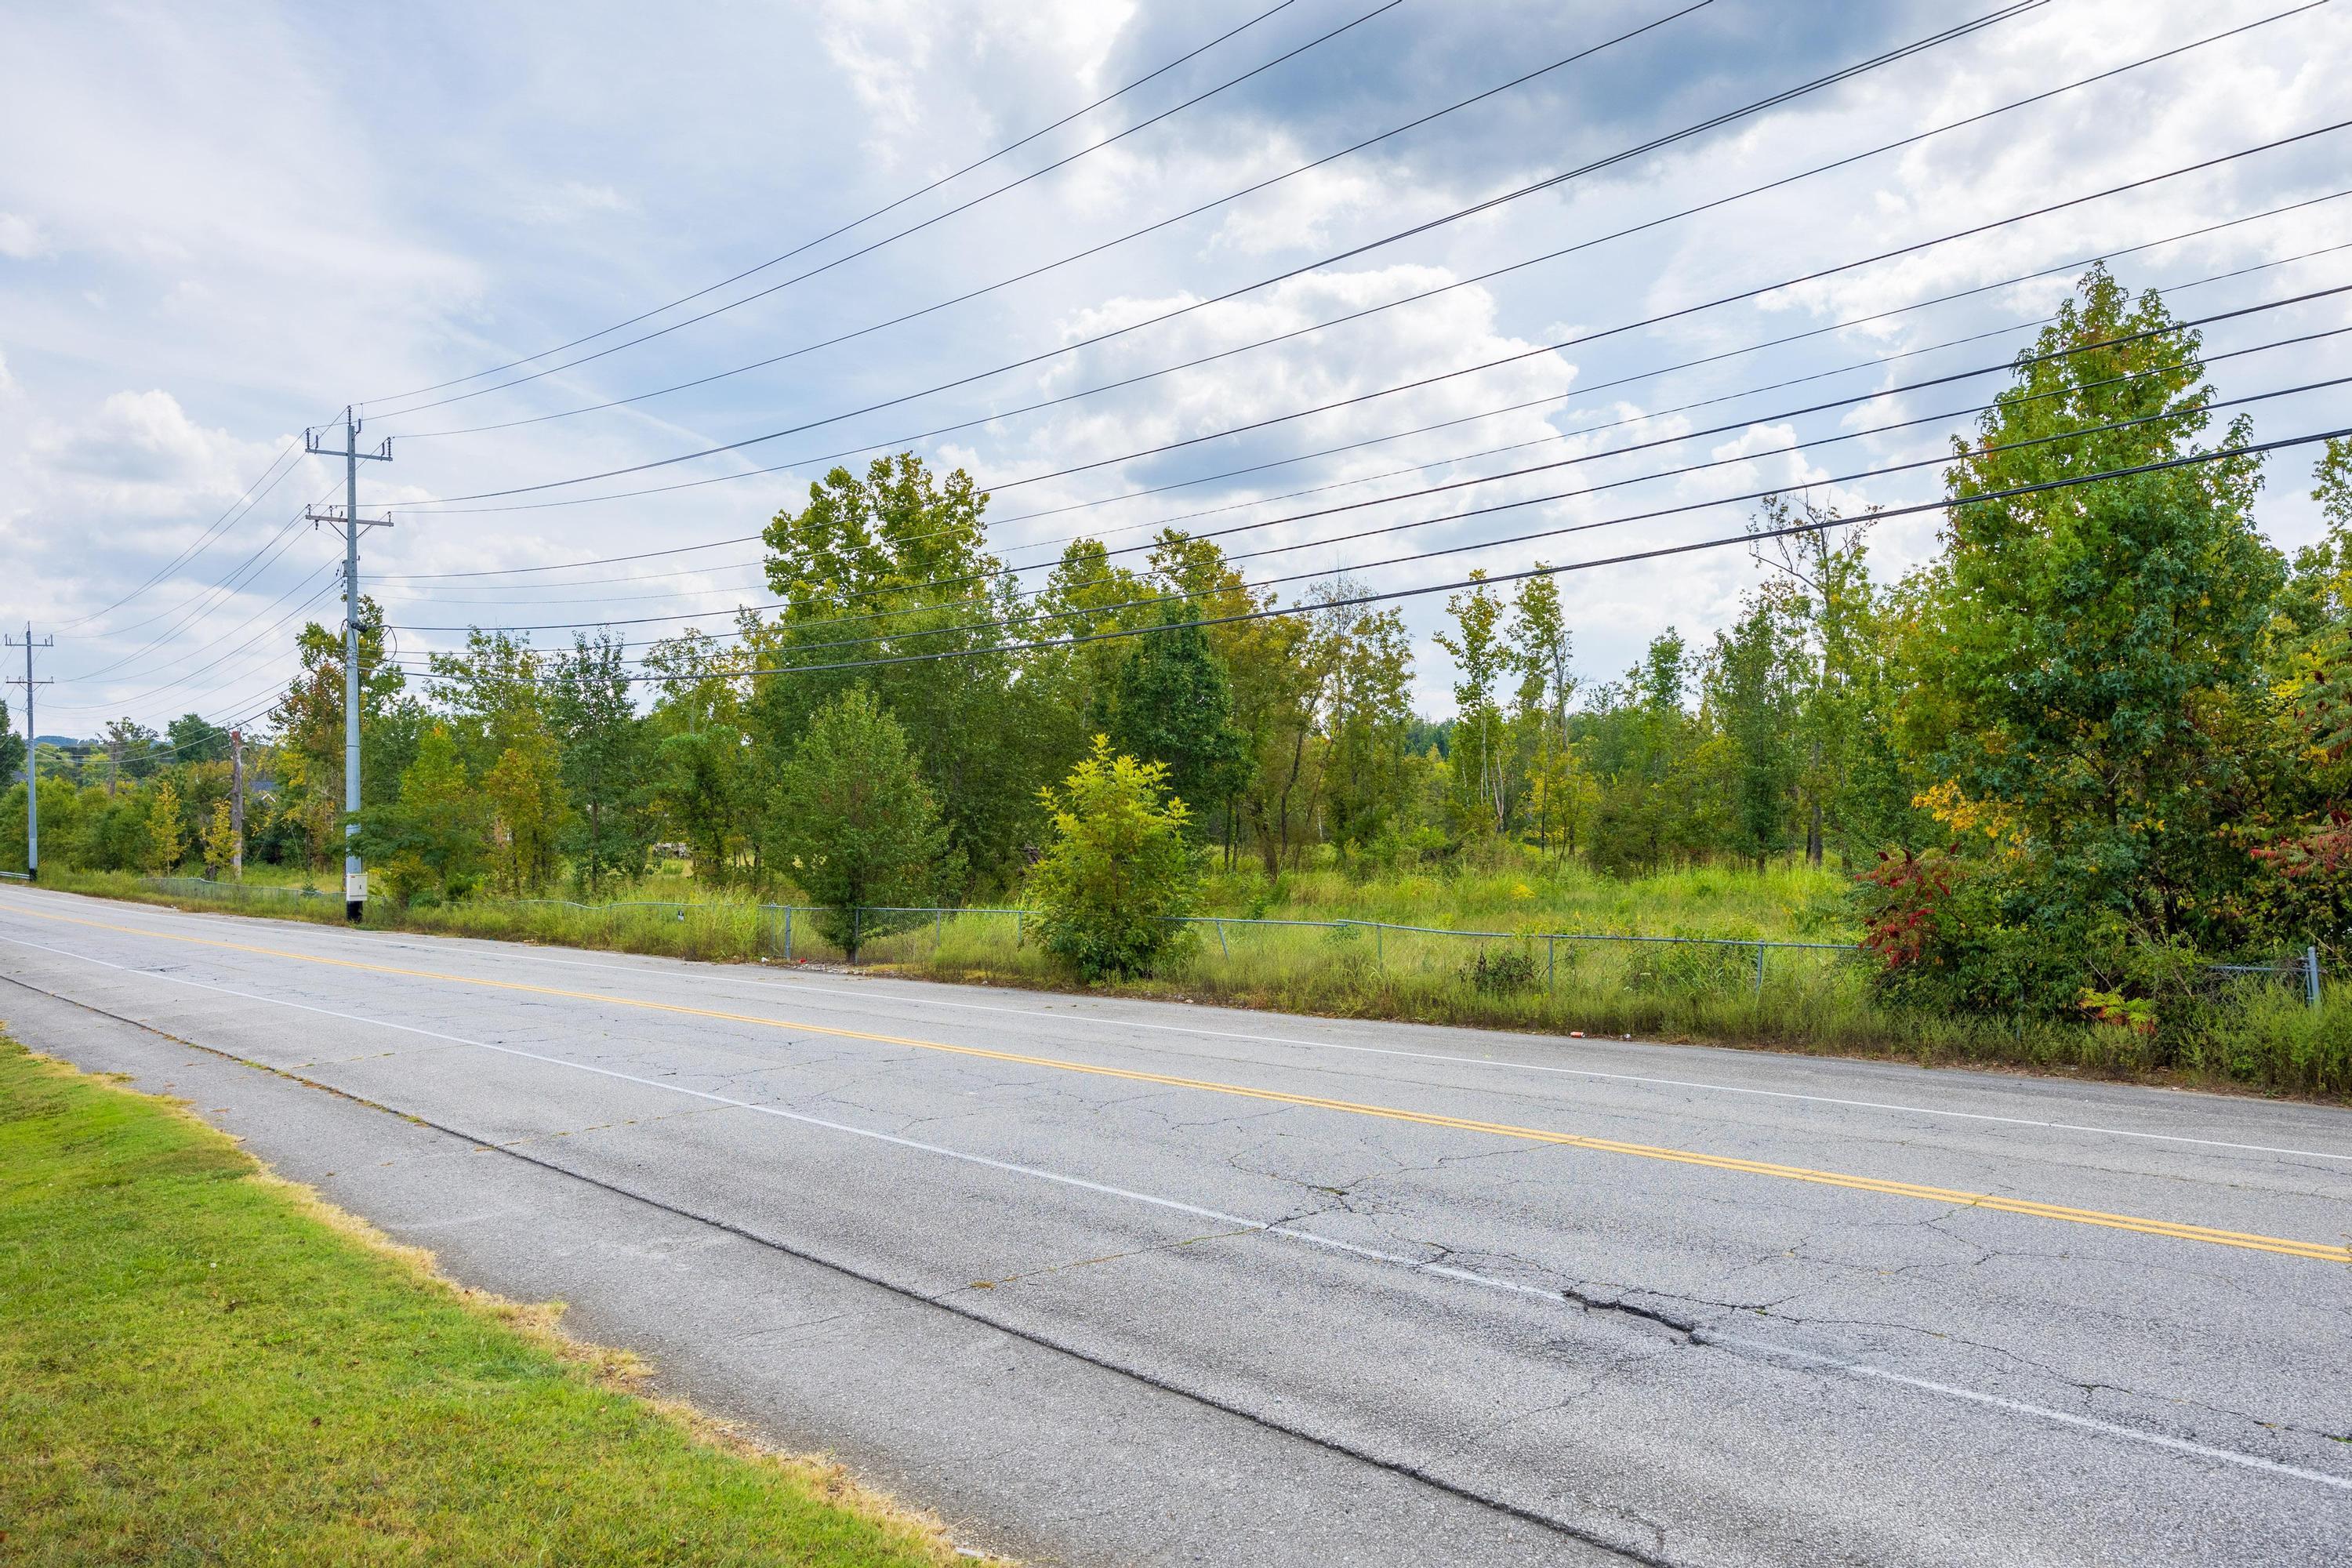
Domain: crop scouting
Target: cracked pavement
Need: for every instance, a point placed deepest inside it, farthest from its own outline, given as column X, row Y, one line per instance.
column 1094, row 1320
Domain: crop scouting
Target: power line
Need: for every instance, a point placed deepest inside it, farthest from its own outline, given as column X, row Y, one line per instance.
column 1548, row 183
column 1089, row 611
column 854, row 223
column 1575, row 460
column 1352, row 601
column 1576, row 391
column 1044, row 268
column 203, row 540
column 1095, row 611
column 1462, row 283
column 914, row 228
column 303, row 609
column 273, row 549
column 1414, row 385
column 1552, row 438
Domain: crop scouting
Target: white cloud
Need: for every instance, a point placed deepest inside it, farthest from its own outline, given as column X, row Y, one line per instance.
column 423, row 234
column 574, row 200
column 21, row 238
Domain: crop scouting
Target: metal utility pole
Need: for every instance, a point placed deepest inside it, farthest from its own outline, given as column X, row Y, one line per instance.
column 237, row 803
column 354, row 874
column 32, row 752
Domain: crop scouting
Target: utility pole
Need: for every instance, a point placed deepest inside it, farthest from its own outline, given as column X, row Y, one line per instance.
column 354, row 873
column 237, row 805
column 32, row 752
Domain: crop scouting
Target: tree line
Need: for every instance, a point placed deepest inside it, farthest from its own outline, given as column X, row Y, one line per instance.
column 2104, row 731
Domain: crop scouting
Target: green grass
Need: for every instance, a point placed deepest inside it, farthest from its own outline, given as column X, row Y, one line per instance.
column 200, row 1364
column 2265, row 1039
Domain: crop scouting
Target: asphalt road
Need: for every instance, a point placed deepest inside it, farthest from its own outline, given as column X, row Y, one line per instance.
column 1117, row 1282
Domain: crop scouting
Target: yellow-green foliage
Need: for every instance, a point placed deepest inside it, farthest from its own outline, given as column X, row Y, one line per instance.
column 2259, row 1034
column 197, row 1366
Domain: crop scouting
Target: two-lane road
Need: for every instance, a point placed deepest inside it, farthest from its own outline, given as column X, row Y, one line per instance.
column 1109, row 1281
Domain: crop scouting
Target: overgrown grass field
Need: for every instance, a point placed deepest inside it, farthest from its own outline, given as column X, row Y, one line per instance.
column 2256, row 1033
column 198, row 1364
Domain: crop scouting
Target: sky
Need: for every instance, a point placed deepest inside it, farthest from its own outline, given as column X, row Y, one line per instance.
column 221, row 225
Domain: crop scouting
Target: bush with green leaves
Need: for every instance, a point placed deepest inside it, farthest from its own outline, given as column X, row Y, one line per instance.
column 1118, row 868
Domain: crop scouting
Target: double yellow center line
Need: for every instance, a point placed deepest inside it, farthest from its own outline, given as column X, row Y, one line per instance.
column 2324, row 1252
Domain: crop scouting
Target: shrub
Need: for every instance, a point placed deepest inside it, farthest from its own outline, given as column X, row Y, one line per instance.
column 1957, row 936
column 1118, row 867
column 1495, row 972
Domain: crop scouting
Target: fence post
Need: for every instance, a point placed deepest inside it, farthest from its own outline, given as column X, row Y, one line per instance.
column 1760, row 969
column 1016, row 931
column 788, row 933
column 1222, row 948
column 2311, row 976
column 1380, row 945
column 857, row 925
column 1551, row 956
column 939, row 929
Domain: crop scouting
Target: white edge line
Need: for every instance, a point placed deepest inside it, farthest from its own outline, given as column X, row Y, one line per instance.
column 2018, row 1406
column 1706, row 1336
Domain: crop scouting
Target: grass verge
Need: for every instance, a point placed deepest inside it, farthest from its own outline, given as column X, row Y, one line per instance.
column 2256, row 1035
column 200, row 1363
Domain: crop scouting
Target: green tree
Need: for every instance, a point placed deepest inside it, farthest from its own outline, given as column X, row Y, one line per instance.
column 1369, row 720
column 308, row 722
column 1118, row 865
column 702, row 782
column 491, row 695
column 133, row 751
column 1541, row 646
column 61, row 826
column 220, row 845
column 1752, row 698
column 165, row 838
column 12, row 749
column 525, row 791
column 1171, row 702
column 893, row 565
column 605, row 757
column 2089, row 660
column 195, row 739
column 855, row 821
column 1480, row 754
column 1652, row 765
column 433, row 839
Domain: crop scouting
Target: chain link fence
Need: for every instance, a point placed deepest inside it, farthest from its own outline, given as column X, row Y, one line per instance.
column 1488, row 960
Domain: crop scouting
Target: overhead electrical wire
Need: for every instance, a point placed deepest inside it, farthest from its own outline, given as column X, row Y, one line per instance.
column 914, row 228
column 1415, row 384
column 246, row 572
column 1096, row 611
column 324, row 591
column 1572, row 393
column 1351, row 601
column 1865, row 396
column 1426, row 294
column 1075, row 257
column 1550, row 181
column 235, row 509
column 856, row 222
column 1642, row 417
